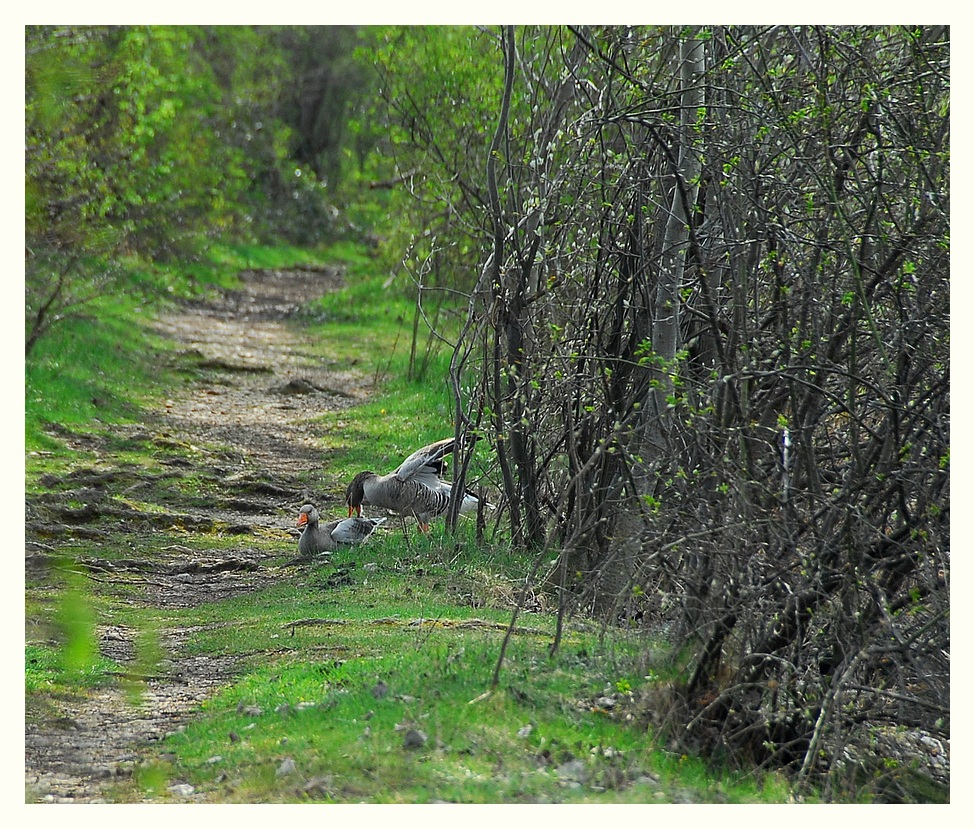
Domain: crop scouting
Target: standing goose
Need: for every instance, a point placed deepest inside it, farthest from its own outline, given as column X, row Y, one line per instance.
column 415, row 488
column 328, row 538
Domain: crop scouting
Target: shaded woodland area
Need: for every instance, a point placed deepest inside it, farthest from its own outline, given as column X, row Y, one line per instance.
column 696, row 287
column 708, row 339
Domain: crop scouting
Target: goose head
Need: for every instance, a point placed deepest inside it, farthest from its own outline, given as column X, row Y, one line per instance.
column 355, row 494
column 307, row 515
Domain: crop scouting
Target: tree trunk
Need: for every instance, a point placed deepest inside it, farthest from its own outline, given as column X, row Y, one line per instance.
column 616, row 572
column 666, row 319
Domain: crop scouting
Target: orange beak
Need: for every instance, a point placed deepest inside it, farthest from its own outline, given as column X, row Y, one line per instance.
column 302, row 519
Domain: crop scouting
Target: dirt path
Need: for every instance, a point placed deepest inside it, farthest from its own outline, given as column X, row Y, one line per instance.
column 262, row 391
column 272, row 386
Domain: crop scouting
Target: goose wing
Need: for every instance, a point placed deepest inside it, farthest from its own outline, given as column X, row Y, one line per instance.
column 352, row 530
column 426, row 465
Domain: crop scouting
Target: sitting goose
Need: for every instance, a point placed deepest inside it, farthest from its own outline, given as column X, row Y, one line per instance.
column 415, row 488
column 326, row 539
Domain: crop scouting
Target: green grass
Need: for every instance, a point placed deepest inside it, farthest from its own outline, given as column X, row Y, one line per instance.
column 83, row 371
column 307, row 692
column 46, row 668
column 423, row 617
column 61, row 654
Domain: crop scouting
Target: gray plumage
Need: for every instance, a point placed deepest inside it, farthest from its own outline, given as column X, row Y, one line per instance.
column 326, row 538
column 414, row 489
